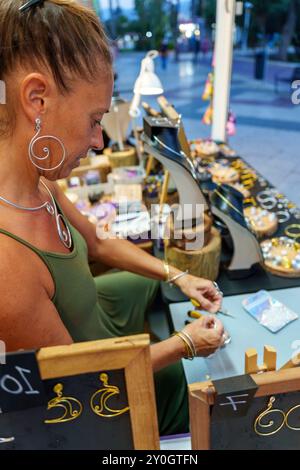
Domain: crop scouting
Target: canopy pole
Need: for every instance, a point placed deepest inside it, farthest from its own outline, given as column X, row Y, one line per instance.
column 223, row 66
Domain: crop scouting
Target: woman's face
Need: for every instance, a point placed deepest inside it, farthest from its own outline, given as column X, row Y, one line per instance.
column 76, row 120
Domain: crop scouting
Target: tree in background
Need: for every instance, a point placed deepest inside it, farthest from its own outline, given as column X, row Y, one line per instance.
column 268, row 18
column 112, row 21
column 289, row 29
column 152, row 15
column 174, row 12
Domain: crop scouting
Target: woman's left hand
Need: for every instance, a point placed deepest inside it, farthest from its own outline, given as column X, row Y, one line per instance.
column 202, row 290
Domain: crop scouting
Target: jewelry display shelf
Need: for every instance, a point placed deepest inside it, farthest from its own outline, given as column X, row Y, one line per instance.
column 288, row 214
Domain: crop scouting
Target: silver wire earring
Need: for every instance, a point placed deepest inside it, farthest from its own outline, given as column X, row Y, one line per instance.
column 35, row 139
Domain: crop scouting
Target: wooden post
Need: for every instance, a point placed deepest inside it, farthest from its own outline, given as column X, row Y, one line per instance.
column 149, row 165
column 269, row 364
column 164, row 191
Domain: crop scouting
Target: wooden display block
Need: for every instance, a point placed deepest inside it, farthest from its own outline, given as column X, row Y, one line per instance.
column 204, row 263
column 126, row 157
column 182, row 237
column 269, row 364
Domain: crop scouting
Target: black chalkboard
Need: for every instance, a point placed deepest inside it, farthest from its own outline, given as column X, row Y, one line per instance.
column 94, row 395
column 24, row 428
column 88, row 431
column 239, row 434
column 20, row 384
column 269, row 421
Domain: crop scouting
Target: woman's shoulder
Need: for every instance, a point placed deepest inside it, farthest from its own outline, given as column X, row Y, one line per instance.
column 26, row 309
column 21, row 269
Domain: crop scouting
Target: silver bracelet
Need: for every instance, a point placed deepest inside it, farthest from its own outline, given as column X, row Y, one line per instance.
column 177, row 276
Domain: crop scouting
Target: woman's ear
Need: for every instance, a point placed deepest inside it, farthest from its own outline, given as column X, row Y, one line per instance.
column 35, row 91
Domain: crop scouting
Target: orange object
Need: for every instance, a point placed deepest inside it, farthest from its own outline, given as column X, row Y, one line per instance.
column 194, row 314
column 195, row 303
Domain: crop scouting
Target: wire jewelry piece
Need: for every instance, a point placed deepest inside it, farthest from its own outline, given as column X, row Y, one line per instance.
column 283, row 216
column 290, row 231
column 177, row 276
column 61, row 225
column 67, row 404
column 36, row 138
column 98, row 401
column 5, row 440
column 293, row 428
column 258, row 422
column 218, row 289
column 188, row 345
column 167, row 270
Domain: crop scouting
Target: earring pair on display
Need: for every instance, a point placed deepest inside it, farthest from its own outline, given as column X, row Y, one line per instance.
column 73, row 407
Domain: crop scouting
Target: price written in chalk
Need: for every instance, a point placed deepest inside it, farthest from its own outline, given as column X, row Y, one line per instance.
column 21, row 386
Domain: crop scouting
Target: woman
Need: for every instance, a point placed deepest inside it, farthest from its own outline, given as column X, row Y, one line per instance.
column 56, row 65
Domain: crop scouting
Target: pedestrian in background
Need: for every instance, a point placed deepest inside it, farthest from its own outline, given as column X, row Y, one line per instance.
column 163, row 51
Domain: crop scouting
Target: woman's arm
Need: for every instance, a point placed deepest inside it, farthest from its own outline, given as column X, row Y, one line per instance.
column 114, row 252
column 206, row 334
column 124, row 255
column 28, row 317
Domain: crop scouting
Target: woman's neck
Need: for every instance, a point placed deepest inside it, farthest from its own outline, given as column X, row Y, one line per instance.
column 19, row 180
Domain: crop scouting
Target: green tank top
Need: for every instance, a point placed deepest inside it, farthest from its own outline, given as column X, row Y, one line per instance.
column 75, row 296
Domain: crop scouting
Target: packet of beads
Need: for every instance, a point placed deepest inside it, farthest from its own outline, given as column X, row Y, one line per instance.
column 268, row 311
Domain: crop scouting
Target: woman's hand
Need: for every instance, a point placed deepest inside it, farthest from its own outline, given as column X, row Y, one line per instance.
column 202, row 290
column 207, row 334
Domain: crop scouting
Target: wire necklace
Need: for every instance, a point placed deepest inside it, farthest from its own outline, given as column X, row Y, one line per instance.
column 61, row 225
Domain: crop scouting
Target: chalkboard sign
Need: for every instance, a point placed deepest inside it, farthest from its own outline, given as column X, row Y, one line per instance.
column 271, row 421
column 20, row 384
column 96, row 395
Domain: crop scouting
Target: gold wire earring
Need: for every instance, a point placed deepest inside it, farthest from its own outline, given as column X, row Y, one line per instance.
column 67, row 404
column 98, row 401
column 294, row 428
column 258, row 422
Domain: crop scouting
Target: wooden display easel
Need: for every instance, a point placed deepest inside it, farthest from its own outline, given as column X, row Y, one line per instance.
column 202, row 396
column 130, row 354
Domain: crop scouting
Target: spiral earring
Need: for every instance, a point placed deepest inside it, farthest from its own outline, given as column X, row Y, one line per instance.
column 35, row 139
column 265, row 426
column 72, row 408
